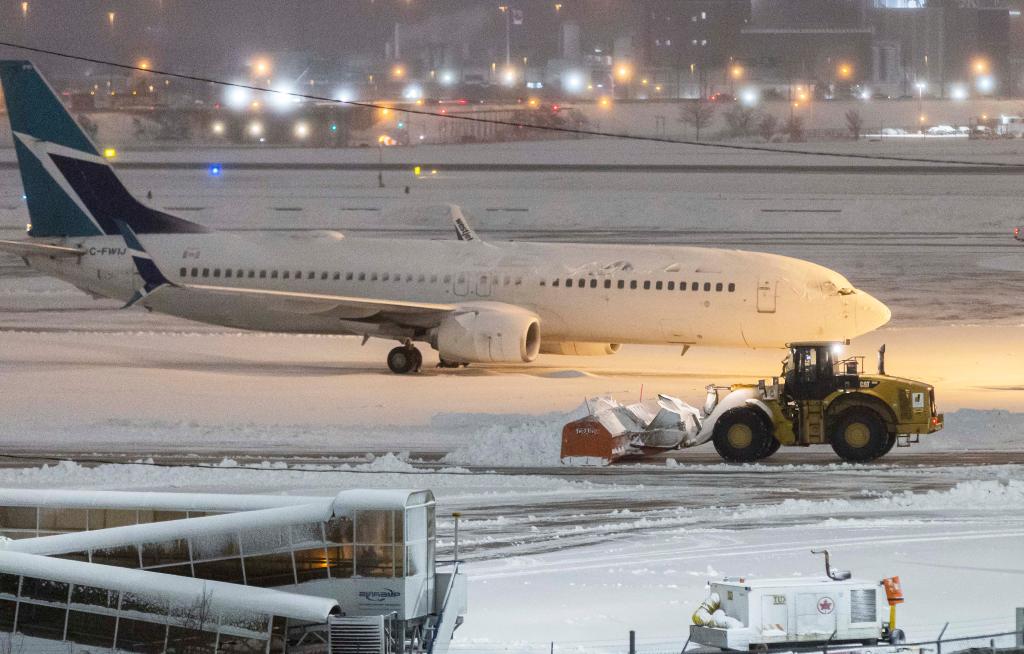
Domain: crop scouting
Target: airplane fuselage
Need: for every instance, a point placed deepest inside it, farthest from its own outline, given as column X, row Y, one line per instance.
column 580, row 292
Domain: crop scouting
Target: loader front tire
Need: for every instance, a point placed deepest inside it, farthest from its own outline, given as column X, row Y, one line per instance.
column 742, row 435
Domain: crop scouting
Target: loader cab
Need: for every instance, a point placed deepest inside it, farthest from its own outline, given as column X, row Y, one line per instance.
column 809, row 371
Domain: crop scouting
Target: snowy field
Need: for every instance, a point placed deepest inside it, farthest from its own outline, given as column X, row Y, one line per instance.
column 574, row 557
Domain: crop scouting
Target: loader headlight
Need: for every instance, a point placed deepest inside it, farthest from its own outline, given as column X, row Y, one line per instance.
column 711, row 401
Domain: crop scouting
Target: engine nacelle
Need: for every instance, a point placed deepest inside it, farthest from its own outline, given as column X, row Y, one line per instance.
column 579, row 348
column 488, row 333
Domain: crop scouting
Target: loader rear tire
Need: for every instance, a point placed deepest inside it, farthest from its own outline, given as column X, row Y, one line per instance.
column 742, row 435
column 860, row 435
column 773, row 447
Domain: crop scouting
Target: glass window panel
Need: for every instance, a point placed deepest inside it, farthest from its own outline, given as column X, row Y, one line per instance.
column 144, row 604
column 9, row 584
column 416, row 559
column 374, row 527
column 229, row 570
column 172, row 551
column 431, row 523
column 46, row 590
column 269, row 570
column 181, row 570
column 339, row 560
column 164, row 516
column 339, row 530
column 238, row 645
column 249, row 621
column 18, row 517
column 214, row 546
column 375, row 560
column 106, row 518
column 18, row 535
column 92, row 596
column 74, row 556
column 62, row 519
column 139, row 636
column 41, row 621
column 125, row 556
column 399, row 518
column 311, row 564
column 7, row 608
column 185, row 640
column 91, row 629
column 307, row 535
column 263, row 541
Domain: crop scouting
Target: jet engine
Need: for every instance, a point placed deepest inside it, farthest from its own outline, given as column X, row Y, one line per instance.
column 579, row 348
column 488, row 333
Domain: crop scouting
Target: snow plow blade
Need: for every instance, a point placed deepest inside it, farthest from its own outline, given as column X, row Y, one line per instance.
column 614, row 431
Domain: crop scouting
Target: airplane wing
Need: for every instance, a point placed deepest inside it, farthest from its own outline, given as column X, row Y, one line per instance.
column 312, row 303
column 29, row 248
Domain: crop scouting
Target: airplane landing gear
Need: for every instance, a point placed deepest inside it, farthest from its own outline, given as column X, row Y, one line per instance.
column 405, row 359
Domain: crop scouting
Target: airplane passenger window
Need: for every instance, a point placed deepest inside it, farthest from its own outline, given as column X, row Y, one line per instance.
column 447, row 279
column 385, row 277
column 311, row 275
column 568, row 282
column 622, row 283
column 433, row 279
column 337, row 276
column 273, row 274
column 287, row 274
column 632, row 284
column 195, row 272
column 240, row 273
column 581, row 283
column 373, row 277
column 263, row 274
column 556, row 283
column 362, row 277
column 647, row 285
column 543, row 283
column 421, row 279
column 593, row 283
column 216, row 272
column 228, row 272
column 323, row 275
column 252, row 274
column 206, row 272
column 732, row 288
column 657, row 286
column 183, row 271
column 718, row 287
column 348, row 277
column 508, row 280
column 707, row 286
column 607, row 283
column 695, row 286
column 408, row 277
column 519, row 281
column 671, row 286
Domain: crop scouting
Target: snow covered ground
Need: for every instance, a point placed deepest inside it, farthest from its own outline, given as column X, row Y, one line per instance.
column 574, row 557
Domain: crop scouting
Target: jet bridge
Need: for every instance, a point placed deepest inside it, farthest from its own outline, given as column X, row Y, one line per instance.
column 357, row 566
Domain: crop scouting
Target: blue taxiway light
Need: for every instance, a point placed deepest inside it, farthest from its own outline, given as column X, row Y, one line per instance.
column 334, row 127
column 215, row 170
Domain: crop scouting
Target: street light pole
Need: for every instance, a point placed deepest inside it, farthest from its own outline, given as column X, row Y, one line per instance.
column 508, row 37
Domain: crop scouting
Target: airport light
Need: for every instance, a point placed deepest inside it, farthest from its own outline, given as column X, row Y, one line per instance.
column 215, row 170
column 844, row 70
column 958, row 92
column 144, row 64
column 261, row 67
column 282, row 98
column 605, row 102
column 749, row 97
column 865, row 94
column 344, row 95
column 573, row 81
column 301, row 130
column 109, row 153
column 921, row 87
column 218, row 127
column 413, row 92
column 736, row 72
column 623, row 72
column 255, row 129
column 986, row 84
column 24, row 10
column 236, row 97
column 398, row 71
column 447, row 77
column 980, row 66
column 508, row 76
column 111, row 17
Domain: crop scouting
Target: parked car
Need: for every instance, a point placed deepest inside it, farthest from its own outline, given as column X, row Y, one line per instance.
column 942, row 130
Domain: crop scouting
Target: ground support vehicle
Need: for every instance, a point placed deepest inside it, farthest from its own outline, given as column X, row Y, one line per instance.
column 817, row 400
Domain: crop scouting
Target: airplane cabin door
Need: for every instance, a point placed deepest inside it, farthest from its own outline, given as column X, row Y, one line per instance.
column 766, row 291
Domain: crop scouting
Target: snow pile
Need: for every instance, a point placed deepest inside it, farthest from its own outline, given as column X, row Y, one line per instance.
column 509, row 441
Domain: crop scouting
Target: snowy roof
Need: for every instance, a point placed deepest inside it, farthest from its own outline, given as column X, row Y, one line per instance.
column 153, row 532
column 219, row 502
column 183, row 591
column 787, row 582
column 381, row 499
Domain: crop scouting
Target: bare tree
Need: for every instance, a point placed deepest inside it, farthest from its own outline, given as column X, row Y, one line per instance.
column 767, row 127
column 196, row 620
column 854, row 123
column 740, row 120
column 697, row 114
column 794, row 129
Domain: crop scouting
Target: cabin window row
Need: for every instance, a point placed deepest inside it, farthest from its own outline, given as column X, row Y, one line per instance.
column 231, row 273
column 647, row 285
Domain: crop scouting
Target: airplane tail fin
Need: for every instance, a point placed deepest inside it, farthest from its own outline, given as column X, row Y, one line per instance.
column 70, row 188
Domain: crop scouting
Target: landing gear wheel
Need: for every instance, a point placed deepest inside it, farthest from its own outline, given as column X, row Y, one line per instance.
column 741, row 435
column 860, row 435
column 404, row 359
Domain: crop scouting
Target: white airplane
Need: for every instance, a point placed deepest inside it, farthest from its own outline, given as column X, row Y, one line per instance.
column 471, row 300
